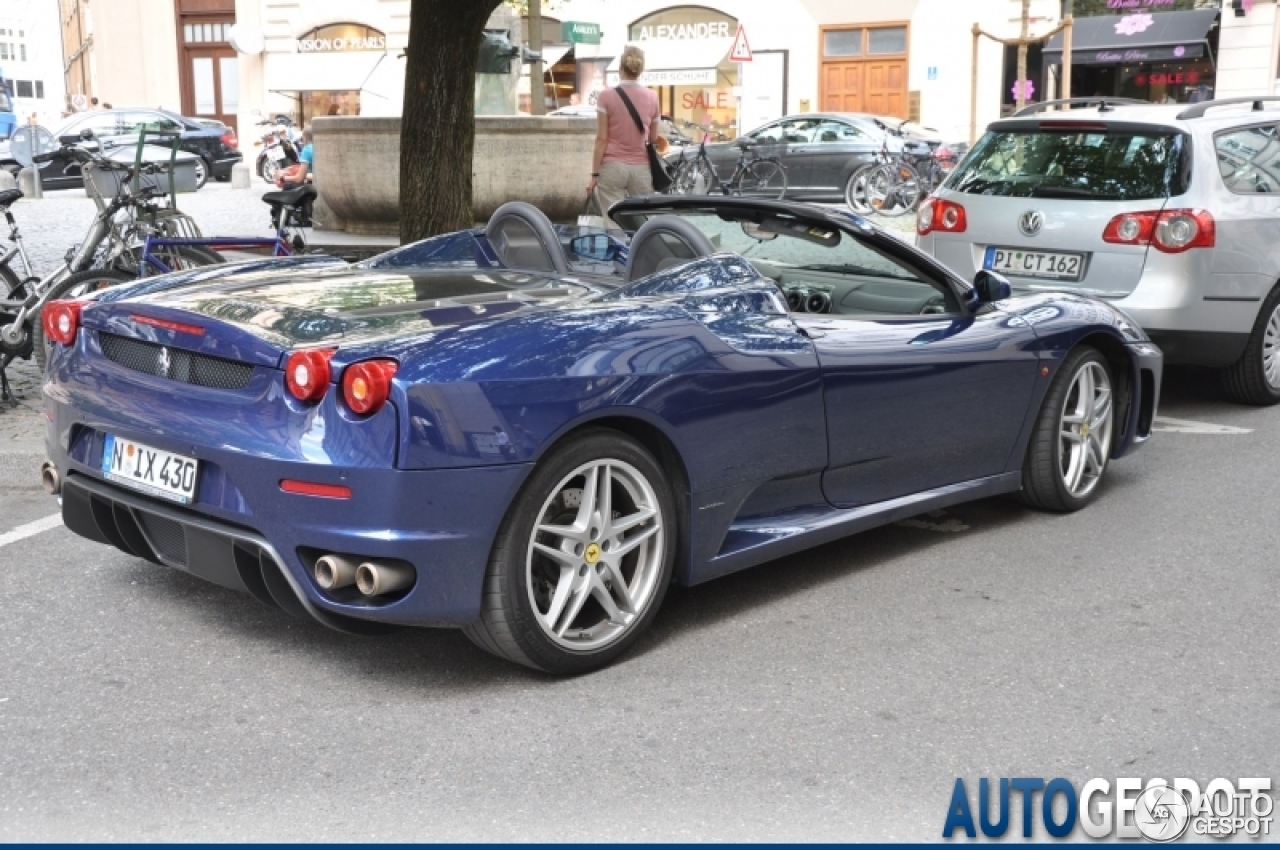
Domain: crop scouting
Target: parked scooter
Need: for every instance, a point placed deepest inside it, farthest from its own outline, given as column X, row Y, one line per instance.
column 279, row 148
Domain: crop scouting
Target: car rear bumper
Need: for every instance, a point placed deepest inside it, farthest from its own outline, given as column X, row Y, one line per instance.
column 265, row 542
column 222, row 167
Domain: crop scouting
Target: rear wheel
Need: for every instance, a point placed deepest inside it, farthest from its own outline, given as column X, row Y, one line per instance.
column 1071, row 444
column 80, row 283
column 202, row 172
column 855, row 191
column 1255, row 377
column 763, row 179
column 582, row 560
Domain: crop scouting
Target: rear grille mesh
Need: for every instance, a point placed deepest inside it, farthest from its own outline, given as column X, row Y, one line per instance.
column 176, row 364
column 166, row 536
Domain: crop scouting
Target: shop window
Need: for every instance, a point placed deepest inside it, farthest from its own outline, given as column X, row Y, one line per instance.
column 201, row 33
column 882, row 41
column 1249, row 160
column 842, row 43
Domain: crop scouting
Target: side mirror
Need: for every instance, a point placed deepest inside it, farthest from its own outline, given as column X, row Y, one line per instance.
column 596, row 246
column 991, row 287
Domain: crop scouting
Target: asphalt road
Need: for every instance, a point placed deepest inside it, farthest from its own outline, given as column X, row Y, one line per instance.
column 833, row 695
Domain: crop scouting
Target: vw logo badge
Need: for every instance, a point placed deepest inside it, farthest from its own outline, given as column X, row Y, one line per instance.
column 1031, row 222
column 163, row 364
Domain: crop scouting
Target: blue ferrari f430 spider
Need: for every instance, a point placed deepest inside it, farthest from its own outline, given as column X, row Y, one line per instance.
column 530, row 432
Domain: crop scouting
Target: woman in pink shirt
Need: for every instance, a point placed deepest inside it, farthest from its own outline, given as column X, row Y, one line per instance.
column 620, row 164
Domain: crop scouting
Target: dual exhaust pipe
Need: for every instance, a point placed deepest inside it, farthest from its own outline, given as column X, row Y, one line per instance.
column 371, row 578
column 50, row 479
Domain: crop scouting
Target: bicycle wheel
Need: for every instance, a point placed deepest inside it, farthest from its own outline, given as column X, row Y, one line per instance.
column 696, row 177
column 855, row 190
column 765, row 179
column 176, row 257
column 80, row 283
column 895, row 190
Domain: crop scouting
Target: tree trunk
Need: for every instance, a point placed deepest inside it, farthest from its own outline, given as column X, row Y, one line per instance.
column 438, row 129
column 1021, row 99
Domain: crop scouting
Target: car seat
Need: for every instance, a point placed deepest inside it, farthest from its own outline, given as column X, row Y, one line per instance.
column 524, row 238
column 664, row 242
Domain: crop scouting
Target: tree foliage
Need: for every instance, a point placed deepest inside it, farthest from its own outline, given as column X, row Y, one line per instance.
column 437, row 135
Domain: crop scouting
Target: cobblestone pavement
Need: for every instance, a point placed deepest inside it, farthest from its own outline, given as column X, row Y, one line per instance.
column 58, row 221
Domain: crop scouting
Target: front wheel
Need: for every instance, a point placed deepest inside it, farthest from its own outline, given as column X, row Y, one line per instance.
column 80, row 283
column 1071, row 444
column 855, row 190
column 1255, row 377
column 583, row 558
column 202, row 172
column 764, row 179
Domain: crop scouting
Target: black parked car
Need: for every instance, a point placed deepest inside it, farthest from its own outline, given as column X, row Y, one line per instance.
column 115, row 128
column 822, row 150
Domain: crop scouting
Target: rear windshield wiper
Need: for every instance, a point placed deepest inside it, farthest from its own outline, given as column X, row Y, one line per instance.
column 1070, row 192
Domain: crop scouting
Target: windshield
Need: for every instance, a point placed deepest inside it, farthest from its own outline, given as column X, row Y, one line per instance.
column 5, row 104
column 1084, row 165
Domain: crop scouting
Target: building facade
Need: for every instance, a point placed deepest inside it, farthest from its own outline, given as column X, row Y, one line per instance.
column 31, row 60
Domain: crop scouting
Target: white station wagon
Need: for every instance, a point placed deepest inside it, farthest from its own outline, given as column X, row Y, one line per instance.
column 1170, row 212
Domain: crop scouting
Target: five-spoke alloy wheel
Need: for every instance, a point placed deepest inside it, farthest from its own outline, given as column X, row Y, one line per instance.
column 582, row 560
column 1071, row 444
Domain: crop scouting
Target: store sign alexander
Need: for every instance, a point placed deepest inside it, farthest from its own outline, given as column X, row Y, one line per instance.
column 682, row 32
column 341, row 45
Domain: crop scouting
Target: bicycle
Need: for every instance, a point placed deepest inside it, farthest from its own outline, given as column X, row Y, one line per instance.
column 754, row 176
column 889, row 185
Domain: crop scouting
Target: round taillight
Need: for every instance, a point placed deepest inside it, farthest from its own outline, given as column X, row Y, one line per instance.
column 306, row 373
column 366, row 386
column 1130, row 228
column 950, row 217
column 61, row 321
column 1176, row 231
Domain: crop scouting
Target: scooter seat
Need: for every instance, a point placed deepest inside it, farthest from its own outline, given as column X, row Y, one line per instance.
column 290, row 197
column 8, row 196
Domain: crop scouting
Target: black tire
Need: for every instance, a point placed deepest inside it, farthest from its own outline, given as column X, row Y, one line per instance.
column 79, row 283
column 1246, row 381
column 509, row 624
column 9, row 280
column 203, row 170
column 763, row 179
column 1043, row 484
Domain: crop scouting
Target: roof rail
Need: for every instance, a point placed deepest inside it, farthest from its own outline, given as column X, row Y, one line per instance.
column 1197, row 110
column 1104, row 104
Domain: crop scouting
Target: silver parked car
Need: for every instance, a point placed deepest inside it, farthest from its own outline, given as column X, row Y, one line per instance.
column 1172, row 213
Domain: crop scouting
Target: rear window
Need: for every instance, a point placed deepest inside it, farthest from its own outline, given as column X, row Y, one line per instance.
column 1116, row 166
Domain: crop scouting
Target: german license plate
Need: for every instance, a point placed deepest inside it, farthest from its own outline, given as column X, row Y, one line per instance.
column 152, row 471
column 1043, row 264
column 275, row 154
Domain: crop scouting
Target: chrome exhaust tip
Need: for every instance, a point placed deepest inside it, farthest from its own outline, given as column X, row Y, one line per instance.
column 378, row 579
column 334, row 571
column 50, row 479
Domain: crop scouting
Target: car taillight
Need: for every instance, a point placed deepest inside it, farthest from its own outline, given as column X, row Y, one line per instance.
column 229, row 139
column 935, row 214
column 306, row 374
column 1170, row 231
column 366, row 386
column 61, row 320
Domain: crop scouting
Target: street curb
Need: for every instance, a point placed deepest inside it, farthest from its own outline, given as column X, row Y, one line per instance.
column 21, row 468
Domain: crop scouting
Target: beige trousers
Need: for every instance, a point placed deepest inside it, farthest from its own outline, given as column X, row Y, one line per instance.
column 619, row 180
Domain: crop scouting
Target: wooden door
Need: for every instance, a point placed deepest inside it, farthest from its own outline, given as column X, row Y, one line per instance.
column 886, row 87
column 215, row 84
column 842, row 86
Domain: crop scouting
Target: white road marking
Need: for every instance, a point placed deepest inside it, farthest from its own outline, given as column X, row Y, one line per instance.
column 1186, row 426
column 31, row 529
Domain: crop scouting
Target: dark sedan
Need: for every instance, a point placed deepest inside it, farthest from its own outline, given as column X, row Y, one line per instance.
column 822, row 150
column 115, row 128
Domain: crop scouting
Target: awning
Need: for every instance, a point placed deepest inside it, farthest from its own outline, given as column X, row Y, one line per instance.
column 293, row 72
column 684, row 62
column 1139, row 37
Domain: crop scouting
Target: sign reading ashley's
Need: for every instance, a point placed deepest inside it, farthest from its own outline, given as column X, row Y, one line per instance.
column 341, row 38
column 579, row 32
